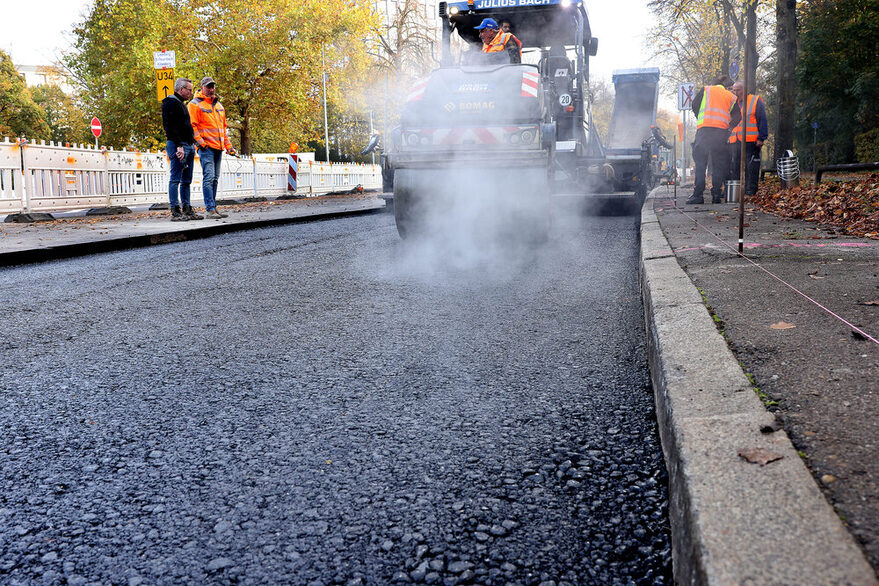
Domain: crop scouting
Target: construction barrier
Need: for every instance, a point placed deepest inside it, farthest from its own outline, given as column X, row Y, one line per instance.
column 47, row 177
column 292, row 171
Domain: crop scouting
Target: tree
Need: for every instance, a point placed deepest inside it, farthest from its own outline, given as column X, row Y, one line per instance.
column 785, row 63
column 699, row 39
column 601, row 96
column 401, row 51
column 112, row 64
column 838, row 74
column 67, row 122
column 265, row 56
column 19, row 114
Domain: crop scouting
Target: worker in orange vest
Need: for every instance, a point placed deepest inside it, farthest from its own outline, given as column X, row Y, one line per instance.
column 208, row 119
column 756, row 131
column 496, row 41
column 507, row 27
column 716, row 113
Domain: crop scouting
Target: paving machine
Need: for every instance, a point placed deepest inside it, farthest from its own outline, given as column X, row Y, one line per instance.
column 482, row 129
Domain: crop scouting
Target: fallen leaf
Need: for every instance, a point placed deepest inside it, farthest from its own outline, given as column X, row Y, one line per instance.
column 782, row 325
column 760, row 456
column 874, row 302
column 816, row 277
column 828, row 479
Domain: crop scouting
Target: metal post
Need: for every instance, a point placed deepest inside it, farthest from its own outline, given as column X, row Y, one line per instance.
column 326, row 124
column 26, row 184
column 255, row 190
column 371, row 132
column 674, row 162
column 106, row 177
column 749, row 36
column 684, row 161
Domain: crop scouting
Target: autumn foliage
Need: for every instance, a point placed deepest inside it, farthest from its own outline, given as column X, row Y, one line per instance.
column 852, row 206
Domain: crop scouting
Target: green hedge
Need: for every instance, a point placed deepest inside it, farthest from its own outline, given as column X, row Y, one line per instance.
column 867, row 146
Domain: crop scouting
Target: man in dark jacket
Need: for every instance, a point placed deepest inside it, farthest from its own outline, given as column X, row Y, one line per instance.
column 180, row 149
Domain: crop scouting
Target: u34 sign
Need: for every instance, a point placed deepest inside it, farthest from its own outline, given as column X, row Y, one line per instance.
column 164, row 83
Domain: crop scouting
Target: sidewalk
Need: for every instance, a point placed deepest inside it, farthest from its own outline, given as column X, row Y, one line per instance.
column 76, row 234
column 816, row 379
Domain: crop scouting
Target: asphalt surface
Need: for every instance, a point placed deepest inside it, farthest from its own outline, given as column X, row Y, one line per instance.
column 782, row 314
column 322, row 404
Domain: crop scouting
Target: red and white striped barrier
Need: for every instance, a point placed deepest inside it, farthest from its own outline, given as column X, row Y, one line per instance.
column 292, row 171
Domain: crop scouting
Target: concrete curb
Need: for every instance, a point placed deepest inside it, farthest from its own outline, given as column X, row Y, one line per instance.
column 733, row 522
column 177, row 232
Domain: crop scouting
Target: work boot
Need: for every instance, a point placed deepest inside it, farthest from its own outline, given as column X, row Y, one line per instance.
column 191, row 215
column 215, row 215
column 177, row 215
column 695, row 199
column 717, row 199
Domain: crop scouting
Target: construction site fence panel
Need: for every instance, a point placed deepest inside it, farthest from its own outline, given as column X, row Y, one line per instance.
column 46, row 177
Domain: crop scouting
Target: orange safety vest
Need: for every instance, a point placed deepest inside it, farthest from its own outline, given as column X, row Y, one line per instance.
column 717, row 103
column 751, row 131
column 209, row 123
column 498, row 43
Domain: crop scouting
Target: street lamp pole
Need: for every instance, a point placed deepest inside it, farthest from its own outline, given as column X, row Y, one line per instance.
column 326, row 125
column 371, row 132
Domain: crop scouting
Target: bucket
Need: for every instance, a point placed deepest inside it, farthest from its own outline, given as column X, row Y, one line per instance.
column 733, row 191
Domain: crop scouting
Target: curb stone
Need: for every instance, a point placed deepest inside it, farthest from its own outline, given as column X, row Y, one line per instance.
column 178, row 232
column 732, row 522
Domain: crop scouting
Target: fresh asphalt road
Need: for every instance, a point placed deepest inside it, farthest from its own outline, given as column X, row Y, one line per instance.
column 322, row 403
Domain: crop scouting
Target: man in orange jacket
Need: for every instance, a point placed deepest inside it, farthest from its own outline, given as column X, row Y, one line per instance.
column 716, row 113
column 494, row 41
column 211, row 135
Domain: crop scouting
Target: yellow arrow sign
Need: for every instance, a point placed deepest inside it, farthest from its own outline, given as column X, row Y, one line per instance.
column 164, row 83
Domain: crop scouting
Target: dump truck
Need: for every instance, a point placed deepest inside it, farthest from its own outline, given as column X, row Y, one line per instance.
column 632, row 124
column 482, row 129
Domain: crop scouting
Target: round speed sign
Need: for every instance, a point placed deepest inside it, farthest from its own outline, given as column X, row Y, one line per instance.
column 565, row 99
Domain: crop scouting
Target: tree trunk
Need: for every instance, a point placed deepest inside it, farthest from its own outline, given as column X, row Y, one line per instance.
column 245, row 132
column 726, row 45
column 786, row 47
column 751, row 46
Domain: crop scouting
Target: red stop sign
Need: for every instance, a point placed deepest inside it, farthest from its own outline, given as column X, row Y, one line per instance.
column 96, row 127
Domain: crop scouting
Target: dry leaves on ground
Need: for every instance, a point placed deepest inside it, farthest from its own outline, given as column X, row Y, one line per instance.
column 851, row 205
column 760, row 456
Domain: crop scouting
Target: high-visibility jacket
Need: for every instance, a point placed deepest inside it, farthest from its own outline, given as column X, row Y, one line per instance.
column 751, row 130
column 208, row 119
column 717, row 103
column 498, row 44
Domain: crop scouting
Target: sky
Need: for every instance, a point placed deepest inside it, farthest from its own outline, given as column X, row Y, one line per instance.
column 35, row 32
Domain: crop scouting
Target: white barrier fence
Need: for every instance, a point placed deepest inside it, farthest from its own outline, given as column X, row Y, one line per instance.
column 48, row 177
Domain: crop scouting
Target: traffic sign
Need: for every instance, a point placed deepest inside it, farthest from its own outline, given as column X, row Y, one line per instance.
column 164, row 60
column 164, row 83
column 96, row 127
column 686, row 92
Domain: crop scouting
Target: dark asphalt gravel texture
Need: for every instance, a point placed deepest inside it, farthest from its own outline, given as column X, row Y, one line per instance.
column 323, row 404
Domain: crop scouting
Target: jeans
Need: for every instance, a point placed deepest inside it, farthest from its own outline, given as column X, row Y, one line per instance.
column 210, row 169
column 181, row 173
column 752, row 170
column 713, row 143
